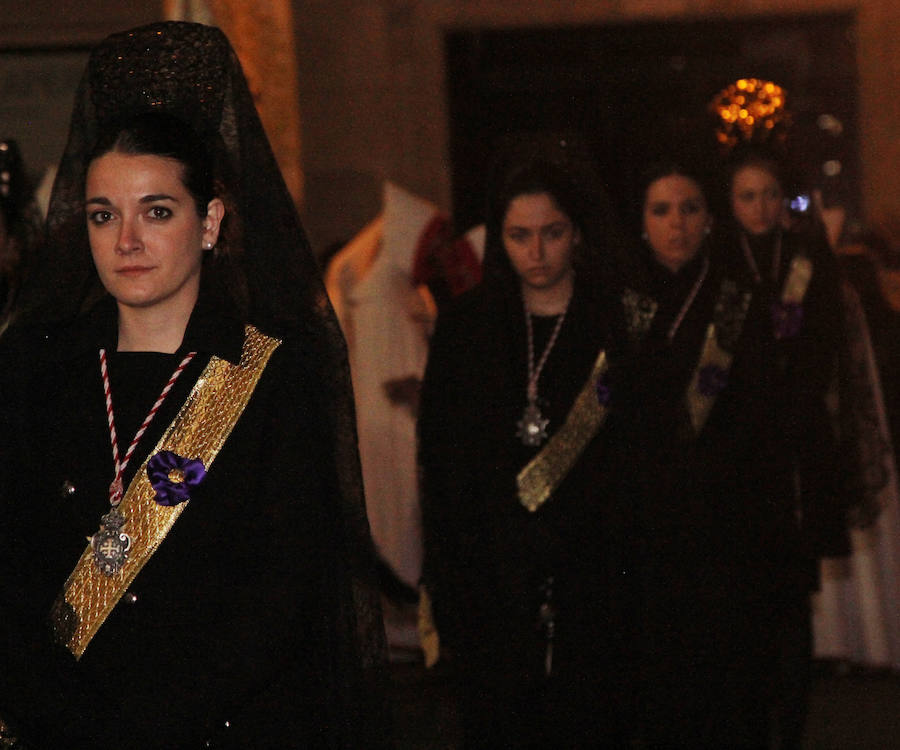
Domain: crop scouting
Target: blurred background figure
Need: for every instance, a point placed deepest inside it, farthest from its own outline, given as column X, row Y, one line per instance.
column 777, row 198
column 857, row 611
column 20, row 225
column 727, row 400
column 379, row 286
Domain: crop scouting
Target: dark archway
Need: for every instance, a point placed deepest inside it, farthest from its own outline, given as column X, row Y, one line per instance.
column 627, row 86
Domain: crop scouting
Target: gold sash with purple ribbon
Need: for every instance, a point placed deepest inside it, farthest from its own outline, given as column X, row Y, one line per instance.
column 711, row 373
column 540, row 478
column 545, row 472
column 201, row 428
column 787, row 313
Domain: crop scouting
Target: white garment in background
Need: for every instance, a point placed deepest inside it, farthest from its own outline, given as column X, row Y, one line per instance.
column 856, row 614
column 386, row 321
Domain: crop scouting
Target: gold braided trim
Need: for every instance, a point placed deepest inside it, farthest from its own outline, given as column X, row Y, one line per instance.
column 797, row 282
column 201, row 428
column 546, row 471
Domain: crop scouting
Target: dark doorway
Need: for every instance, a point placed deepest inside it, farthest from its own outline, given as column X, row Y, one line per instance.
column 626, row 86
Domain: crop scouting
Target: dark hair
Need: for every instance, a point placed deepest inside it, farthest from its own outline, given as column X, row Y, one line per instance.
column 160, row 134
column 562, row 166
column 755, row 155
column 670, row 167
column 205, row 172
column 534, row 178
column 541, row 177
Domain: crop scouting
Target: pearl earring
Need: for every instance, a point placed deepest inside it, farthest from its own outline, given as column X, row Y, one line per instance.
column 207, row 245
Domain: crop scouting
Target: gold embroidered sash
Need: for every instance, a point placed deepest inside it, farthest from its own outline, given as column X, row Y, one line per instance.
column 797, row 282
column 545, row 472
column 201, row 428
column 717, row 354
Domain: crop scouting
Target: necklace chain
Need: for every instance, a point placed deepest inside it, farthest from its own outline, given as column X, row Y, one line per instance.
column 695, row 290
column 751, row 261
column 534, row 372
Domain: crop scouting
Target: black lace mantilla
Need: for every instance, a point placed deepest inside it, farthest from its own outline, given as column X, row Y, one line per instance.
column 177, row 69
column 191, row 71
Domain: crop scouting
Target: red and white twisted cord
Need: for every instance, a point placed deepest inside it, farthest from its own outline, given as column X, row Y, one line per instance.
column 115, row 489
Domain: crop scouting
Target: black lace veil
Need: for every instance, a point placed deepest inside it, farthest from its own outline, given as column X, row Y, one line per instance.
column 190, row 71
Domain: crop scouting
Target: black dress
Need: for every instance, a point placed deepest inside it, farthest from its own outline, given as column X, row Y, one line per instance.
column 734, row 517
column 490, row 563
column 235, row 633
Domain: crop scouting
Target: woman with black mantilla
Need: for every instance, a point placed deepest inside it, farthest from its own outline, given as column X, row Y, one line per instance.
column 224, row 596
column 728, row 559
column 518, row 568
column 768, row 246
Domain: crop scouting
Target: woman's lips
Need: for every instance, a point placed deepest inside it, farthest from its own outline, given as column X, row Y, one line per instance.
column 133, row 270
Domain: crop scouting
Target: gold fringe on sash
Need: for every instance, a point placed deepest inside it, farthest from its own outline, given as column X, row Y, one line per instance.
column 546, row 471
column 201, row 428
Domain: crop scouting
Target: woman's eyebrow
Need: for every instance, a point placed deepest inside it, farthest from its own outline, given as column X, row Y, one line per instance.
column 153, row 197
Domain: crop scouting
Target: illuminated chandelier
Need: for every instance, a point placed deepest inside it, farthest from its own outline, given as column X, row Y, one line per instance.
column 750, row 109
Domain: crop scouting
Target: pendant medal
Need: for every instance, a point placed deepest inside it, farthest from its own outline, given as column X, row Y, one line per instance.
column 532, row 426
column 110, row 544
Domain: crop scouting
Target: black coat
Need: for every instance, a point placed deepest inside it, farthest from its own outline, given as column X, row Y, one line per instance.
column 732, row 520
column 235, row 631
column 487, row 558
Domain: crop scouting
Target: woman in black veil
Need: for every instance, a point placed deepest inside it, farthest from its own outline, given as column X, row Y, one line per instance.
column 20, row 225
column 252, row 620
column 732, row 472
column 520, row 537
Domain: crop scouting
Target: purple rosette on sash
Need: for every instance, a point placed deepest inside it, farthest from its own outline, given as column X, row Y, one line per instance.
column 787, row 319
column 602, row 391
column 712, row 380
column 173, row 477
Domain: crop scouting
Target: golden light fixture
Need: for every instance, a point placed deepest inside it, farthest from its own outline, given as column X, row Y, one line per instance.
column 749, row 109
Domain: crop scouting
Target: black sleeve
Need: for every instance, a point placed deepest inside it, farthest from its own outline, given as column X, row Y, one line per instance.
column 449, row 487
column 821, row 465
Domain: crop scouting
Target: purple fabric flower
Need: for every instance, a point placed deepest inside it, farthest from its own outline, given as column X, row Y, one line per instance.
column 603, row 392
column 712, row 380
column 787, row 319
column 173, row 477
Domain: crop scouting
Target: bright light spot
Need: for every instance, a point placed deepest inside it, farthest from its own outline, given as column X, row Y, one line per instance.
column 830, row 124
